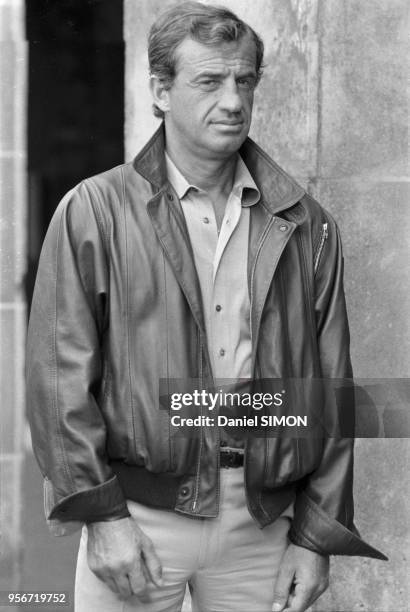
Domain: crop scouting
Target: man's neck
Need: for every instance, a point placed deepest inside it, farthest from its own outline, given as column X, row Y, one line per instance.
column 215, row 176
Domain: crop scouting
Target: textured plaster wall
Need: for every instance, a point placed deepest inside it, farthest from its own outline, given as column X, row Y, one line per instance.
column 13, row 56
column 332, row 109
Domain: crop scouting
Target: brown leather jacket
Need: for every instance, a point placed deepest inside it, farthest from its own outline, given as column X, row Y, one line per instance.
column 117, row 306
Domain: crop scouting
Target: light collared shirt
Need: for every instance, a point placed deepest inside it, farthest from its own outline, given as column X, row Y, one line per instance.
column 221, row 262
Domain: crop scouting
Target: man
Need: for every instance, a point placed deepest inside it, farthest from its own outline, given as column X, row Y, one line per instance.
column 200, row 260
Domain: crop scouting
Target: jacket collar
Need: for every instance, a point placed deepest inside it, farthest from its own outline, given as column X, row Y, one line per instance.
column 150, row 161
column 278, row 190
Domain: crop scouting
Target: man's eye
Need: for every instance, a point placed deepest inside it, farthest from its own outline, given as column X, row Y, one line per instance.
column 209, row 83
column 246, row 83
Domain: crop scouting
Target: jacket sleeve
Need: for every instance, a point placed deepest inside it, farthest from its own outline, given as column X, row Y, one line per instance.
column 323, row 519
column 64, row 367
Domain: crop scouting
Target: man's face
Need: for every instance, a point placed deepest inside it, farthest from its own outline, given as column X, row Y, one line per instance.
column 211, row 98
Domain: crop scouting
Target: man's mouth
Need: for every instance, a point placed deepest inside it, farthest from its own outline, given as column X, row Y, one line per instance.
column 229, row 122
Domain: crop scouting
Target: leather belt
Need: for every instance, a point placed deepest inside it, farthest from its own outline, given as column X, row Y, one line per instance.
column 231, row 458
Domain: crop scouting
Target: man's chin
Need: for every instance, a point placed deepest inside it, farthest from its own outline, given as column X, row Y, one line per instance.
column 227, row 143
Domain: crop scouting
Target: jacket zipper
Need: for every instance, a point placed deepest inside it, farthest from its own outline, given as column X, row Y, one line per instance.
column 254, row 361
column 196, row 495
column 251, row 306
column 323, row 238
column 201, row 444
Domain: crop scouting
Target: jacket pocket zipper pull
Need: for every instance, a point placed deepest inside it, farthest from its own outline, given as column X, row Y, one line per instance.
column 323, row 238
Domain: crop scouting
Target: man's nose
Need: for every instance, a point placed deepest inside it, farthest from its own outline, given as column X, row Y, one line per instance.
column 231, row 100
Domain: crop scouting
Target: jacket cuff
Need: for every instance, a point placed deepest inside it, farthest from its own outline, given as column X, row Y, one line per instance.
column 103, row 502
column 112, row 516
column 312, row 528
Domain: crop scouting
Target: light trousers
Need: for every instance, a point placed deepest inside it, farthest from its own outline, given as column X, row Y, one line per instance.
column 229, row 563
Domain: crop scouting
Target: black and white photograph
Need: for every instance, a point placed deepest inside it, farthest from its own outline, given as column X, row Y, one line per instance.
column 204, row 306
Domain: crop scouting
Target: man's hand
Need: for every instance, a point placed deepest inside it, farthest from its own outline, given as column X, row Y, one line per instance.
column 123, row 557
column 302, row 578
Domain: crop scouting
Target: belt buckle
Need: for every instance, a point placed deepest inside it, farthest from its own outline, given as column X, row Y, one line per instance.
column 231, row 458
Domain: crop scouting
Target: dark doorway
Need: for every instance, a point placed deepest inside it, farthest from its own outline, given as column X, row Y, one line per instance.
column 75, row 102
column 75, row 129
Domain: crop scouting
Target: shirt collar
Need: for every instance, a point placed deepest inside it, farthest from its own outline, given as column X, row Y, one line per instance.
column 177, row 180
column 244, row 187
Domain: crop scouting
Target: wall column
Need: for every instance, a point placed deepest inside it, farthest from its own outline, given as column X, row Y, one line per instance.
column 13, row 79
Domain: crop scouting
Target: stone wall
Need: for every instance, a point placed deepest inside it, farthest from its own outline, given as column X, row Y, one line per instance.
column 13, row 64
column 332, row 109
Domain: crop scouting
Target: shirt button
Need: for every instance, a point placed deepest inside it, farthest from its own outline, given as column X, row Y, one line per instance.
column 283, row 228
column 218, row 308
column 205, row 220
column 222, row 352
column 228, row 221
column 184, row 491
column 170, row 197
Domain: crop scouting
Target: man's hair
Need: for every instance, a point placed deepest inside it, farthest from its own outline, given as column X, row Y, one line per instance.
column 209, row 25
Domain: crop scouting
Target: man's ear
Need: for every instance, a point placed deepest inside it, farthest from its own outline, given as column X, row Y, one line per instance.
column 159, row 93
